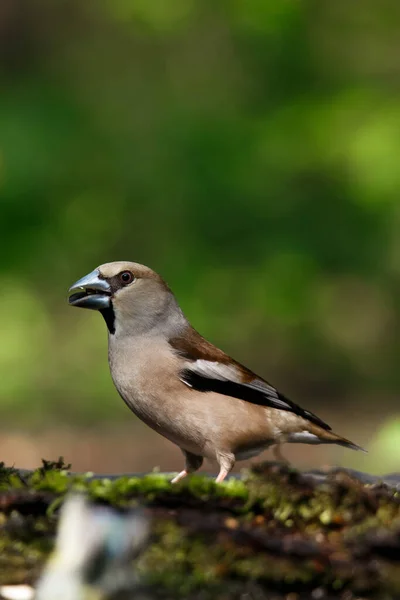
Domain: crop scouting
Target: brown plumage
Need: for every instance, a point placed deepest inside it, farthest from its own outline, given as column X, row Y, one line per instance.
column 180, row 384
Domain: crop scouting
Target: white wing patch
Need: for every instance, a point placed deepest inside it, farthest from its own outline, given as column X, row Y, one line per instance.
column 228, row 380
column 223, row 372
column 214, row 370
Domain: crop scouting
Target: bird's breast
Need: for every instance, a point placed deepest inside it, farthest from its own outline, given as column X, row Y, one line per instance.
column 142, row 373
column 146, row 375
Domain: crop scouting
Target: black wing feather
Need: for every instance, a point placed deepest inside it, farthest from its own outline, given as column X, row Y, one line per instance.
column 256, row 394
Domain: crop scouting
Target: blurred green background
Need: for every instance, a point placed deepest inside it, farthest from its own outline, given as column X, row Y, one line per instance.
column 248, row 150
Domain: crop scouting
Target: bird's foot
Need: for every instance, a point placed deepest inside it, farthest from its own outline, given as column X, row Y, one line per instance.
column 180, row 476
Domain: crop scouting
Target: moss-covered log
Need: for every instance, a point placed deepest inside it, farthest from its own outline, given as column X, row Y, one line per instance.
column 273, row 530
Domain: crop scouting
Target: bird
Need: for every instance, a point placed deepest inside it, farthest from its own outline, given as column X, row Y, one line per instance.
column 180, row 384
column 93, row 553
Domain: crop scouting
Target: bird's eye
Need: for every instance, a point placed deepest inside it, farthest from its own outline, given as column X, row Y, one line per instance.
column 126, row 277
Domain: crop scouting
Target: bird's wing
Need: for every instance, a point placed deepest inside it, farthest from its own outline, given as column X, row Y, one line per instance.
column 232, row 379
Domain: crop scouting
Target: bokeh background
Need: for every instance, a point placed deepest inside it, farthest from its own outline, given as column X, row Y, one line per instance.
column 248, row 150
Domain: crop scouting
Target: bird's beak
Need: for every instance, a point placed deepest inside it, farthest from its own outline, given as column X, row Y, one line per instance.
column 90, row 292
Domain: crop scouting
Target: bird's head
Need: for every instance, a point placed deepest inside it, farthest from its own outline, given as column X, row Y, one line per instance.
column 131, row 297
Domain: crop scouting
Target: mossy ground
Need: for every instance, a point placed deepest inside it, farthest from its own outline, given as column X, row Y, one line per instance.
column 273, row 529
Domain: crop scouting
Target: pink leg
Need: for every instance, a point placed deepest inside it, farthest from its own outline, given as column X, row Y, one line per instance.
column 226, row 462
column 180, row 476
column 193, row 462
column 221, row 475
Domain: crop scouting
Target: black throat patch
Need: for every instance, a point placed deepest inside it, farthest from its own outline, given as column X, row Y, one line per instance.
column 109, row 317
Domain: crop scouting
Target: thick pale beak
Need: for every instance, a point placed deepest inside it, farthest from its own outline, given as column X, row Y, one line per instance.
column 90, row 292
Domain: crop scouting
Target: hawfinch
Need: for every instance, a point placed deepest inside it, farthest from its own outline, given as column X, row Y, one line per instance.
column 180, row 384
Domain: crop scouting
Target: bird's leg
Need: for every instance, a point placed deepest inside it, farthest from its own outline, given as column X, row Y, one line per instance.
column 180, row 476
column 193, row 462
column 226, row 463
column 278, row 454
column 221, row 475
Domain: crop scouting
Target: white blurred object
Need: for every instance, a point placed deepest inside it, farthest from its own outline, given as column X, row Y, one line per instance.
column 16, row 592
column 93, row 554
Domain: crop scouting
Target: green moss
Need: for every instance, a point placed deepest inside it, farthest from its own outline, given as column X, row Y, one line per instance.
column 273, row 527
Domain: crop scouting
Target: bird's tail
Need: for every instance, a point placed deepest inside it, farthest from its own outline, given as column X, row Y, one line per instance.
column 333, row 438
